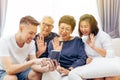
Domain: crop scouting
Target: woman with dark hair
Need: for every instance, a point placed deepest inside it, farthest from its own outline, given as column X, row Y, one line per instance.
column 101, row 60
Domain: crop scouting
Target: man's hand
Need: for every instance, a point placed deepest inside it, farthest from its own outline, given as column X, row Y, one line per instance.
column 41, row 45
column 45, row 64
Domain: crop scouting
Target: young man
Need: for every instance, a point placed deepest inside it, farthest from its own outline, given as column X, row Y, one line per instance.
column 45, row 35
column 17, row 54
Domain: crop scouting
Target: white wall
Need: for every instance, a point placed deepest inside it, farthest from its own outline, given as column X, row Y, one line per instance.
column 39, row 8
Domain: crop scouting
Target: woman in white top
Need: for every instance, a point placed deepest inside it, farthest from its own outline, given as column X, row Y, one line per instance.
column 101, row 60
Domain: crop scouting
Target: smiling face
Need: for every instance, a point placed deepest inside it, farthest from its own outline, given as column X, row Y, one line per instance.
column 28, row 32
column 85, row 28
column 87, row 25
column 65, row 31
column 66, row 26
column 46, row 26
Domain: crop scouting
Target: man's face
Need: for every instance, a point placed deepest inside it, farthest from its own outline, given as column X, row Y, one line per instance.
column 46, row 27
column 29, row 33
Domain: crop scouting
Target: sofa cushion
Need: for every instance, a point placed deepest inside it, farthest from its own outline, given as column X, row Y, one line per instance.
column 116, row 45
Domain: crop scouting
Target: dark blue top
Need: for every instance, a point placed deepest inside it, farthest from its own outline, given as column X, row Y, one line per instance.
column 46, row 39
column 72, row 54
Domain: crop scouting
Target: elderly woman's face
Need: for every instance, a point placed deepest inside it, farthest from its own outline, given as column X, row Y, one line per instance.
column 65, row 31
column 85, row 28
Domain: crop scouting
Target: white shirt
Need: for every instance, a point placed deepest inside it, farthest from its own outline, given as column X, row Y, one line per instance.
column 9, row 47
column 103, row 40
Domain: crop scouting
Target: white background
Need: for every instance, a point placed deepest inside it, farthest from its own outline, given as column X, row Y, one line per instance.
column 54, row 8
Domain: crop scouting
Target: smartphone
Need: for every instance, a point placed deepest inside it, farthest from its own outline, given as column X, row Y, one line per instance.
column 54, row 55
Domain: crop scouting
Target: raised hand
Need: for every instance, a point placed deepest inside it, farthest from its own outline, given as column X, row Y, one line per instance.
column 91, row 40
column 56, row 44
column 41, row 45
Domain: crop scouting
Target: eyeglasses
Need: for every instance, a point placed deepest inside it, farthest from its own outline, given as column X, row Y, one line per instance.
column 47, row 25
column 65, row 29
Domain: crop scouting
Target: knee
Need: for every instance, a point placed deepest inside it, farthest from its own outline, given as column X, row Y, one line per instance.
column 74, row 75
column 34, row 75
column 71, row 74
column 10, row 77
column 52, row 75
column 113, row 78
column 99, row 79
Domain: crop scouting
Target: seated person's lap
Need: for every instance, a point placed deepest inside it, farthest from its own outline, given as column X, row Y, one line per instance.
column 2, row 74
column 21, row 76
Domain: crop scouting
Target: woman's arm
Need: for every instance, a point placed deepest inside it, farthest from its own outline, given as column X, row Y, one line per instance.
column 91, row 42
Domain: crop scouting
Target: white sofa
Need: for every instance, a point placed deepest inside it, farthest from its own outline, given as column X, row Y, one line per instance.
column 116, row 46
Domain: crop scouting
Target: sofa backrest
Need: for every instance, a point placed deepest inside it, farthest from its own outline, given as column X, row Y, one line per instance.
column 116, row 46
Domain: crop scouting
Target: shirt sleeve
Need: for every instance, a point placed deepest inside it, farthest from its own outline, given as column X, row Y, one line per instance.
column 32, row 48
column 106, row 42
column 4, row 50
column 81, row 56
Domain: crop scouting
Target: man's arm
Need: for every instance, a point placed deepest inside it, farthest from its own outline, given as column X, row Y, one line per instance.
column 39, row 65
column 15, row 68
column 43, row 64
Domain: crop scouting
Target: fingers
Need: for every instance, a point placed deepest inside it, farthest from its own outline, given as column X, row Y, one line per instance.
column 45, row 44
column 55, row 63
column 41, row 62
column 56, row 44
column 89, row 60
column 40, row 39
column 41, row 44
column 51, row 65
column 56, row 40
column 37, row 40
column 92, row 36
column 47, row 63
column 61, row 44
column 64, row 71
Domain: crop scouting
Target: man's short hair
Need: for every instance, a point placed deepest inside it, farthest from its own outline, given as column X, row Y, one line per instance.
column 29, row 20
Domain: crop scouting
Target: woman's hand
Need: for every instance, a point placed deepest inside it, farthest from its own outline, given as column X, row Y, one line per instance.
column 63, row 71
column 56, row 44
column 91, row 40
column 89, row 59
